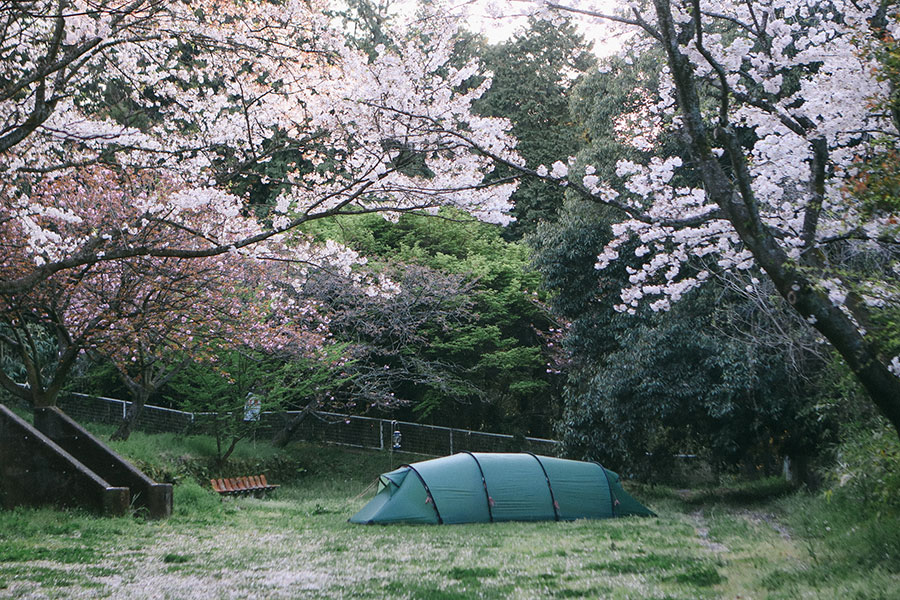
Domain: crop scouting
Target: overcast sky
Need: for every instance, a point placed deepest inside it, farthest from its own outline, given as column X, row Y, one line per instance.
column 512, row 18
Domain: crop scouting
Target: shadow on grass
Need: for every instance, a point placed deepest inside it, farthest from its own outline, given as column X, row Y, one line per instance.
column 740, row 493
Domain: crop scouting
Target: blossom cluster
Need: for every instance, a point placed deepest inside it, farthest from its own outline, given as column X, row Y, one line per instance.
column 208, row 93
column 796, row 79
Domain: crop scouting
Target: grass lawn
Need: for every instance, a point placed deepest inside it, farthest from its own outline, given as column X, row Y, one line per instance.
column 298, row 544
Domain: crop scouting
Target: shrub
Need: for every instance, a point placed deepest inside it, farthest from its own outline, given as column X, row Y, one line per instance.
column 193, row 500
column 868, row 469
column 855, row 523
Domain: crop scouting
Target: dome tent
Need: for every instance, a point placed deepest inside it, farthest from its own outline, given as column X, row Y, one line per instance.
column 476, row 487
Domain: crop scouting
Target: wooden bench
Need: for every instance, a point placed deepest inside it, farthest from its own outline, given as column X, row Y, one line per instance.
column 242, row 486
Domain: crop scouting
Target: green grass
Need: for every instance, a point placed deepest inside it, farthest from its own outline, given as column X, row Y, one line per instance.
column 298, row 544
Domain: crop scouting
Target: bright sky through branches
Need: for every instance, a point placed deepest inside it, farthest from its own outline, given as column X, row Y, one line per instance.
column 499, row 20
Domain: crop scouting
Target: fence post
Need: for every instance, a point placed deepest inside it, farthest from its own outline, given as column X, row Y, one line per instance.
column 381, row 434
column 451, row 441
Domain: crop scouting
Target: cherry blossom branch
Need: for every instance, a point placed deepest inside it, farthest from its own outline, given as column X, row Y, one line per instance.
column 638, row 20
column 92, row 254
column 724, row 17
column 858, row 234
column 817, row 190
column 798, row 125
column 720, row 71
column 51, row 65
column 627, row 209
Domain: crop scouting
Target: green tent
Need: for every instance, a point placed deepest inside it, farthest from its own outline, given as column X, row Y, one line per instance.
column 476, row 487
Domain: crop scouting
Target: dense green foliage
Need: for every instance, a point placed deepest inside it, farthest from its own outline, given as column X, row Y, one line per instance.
column 867, row 470
column 676, row 384
column 44, row 352
column 533, row 76
column 499, row 352
column 854, row 525
column 223, row 393
column 645, row 387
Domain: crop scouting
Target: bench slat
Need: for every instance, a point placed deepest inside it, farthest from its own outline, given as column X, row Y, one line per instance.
column 241, row 485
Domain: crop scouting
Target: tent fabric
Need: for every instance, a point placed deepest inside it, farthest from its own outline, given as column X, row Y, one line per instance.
column 481, row 487
column 457, row 488
column 400, row 498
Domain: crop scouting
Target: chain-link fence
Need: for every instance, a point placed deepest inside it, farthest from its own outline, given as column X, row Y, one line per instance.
column 97, row 409
column 323, row 427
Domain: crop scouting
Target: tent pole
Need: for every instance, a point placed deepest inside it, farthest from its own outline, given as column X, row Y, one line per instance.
column 549, row 487
column 487, row 495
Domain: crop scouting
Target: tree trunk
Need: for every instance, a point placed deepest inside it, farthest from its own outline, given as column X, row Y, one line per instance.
column 739, row 205
column 126, row 426
column 41, row 399
column 283, row 437
column 223, row 457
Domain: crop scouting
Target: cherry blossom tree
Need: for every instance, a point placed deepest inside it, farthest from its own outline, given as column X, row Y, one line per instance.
column 175, row 312
column 149, row 315
column 207, row 94
column 135, row 133
column 778, row 104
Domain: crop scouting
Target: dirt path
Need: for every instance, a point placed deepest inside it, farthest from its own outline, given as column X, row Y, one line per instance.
column 701, row 527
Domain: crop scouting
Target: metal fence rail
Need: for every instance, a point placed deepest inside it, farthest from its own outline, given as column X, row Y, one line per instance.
column 97, row 409
column 322, row 427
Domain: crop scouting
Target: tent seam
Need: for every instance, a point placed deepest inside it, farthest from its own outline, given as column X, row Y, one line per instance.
column 427, row 491
column 612, row 498
column 549, row 486
column 487, row 495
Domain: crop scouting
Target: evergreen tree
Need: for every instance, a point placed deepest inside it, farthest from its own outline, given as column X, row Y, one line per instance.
column 534, row 74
